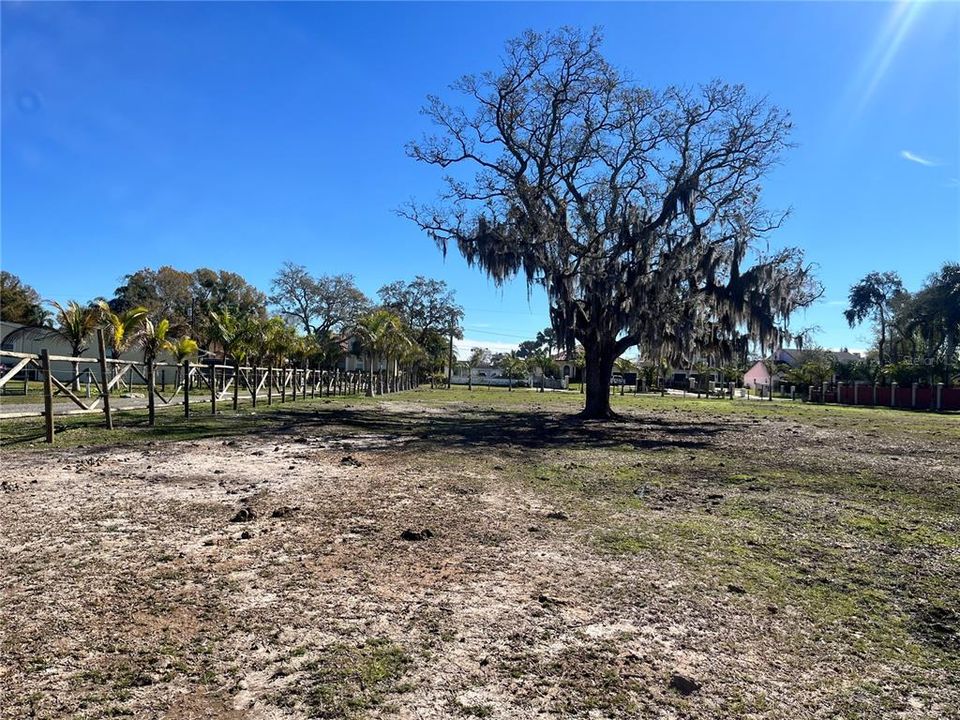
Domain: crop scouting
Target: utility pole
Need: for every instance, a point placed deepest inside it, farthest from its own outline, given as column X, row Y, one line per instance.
column 450, row 354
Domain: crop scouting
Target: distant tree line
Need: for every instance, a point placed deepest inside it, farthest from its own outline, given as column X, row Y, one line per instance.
column 305, row 320
column 916, row 335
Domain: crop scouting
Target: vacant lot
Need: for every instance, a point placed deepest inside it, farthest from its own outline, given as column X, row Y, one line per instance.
column 768, row 560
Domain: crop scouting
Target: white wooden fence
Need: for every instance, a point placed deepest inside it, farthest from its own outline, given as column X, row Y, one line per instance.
column 193, row 383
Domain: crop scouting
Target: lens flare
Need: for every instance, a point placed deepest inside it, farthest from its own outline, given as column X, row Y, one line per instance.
column 902, row 16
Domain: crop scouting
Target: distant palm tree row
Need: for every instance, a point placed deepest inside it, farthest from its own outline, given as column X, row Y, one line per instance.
column 381, row 336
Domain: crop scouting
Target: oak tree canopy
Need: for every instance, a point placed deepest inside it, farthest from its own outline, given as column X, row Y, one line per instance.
column 638, row 210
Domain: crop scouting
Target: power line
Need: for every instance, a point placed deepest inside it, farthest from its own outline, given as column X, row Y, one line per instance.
column 491, row 332
column 502, row 312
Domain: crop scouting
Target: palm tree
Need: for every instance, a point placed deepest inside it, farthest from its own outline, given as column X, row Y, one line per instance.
column 182, row 350
column 410, row 356
column 279, row 342
column 382, row 334
column 74, row 324
column 153, row 340
column 225, row 330
column 121, row 328
column 542, row 362
column 239, row 337
column 478, row 357
column 513, row 366
column 398, row 346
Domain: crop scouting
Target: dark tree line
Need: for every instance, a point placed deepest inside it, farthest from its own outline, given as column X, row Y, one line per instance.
column 916, row 334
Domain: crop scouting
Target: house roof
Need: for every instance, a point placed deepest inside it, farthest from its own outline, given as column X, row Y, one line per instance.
column 801, row 356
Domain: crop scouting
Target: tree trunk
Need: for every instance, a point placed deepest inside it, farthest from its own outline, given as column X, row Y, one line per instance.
column 151, row 386
column 948, row 356
column 597, row 372
column 883, row 338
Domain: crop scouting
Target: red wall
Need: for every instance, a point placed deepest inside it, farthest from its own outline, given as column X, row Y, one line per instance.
column 926, row 396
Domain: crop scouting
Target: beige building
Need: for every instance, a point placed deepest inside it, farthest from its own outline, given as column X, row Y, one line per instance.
column 22, row 339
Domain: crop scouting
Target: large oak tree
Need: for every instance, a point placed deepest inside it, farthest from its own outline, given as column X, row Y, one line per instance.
column 637, row 210
column 320, row 305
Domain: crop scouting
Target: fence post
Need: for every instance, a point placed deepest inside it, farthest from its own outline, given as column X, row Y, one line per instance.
column 269, row 384
column 186, row 388
column 893, row 394
column 105, row 386
column 163, row 379
column 213, row 389
column 256, row 386
column 875, row 394
column 151, row 393
column 939, row 396
column 793, row 392
column 236, row 384
column 913, row 396
column 856, row 391
column 839, row 393
column 47, row 393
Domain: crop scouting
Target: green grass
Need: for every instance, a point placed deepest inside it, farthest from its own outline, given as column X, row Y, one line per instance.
column 86, row 429
column 810, row 513
column 344, row 681
column 130, row 426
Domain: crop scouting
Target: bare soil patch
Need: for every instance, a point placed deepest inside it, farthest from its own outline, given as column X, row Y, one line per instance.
column 482, row 558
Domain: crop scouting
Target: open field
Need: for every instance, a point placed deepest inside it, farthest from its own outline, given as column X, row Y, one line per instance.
column 793, row 561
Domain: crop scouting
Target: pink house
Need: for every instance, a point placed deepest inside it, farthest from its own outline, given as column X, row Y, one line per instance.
column 758, row 376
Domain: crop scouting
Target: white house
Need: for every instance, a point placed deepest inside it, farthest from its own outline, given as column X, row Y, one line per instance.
column 481, row 375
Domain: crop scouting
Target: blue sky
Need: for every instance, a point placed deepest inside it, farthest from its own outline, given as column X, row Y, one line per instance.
column 238, row 136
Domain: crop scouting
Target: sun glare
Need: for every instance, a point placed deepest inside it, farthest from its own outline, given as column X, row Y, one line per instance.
column 901, row 18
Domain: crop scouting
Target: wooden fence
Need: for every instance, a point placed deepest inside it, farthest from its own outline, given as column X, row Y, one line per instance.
column 193, row 383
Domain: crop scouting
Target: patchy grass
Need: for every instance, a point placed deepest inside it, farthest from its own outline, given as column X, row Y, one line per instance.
column 795, row 560
column 343, row 681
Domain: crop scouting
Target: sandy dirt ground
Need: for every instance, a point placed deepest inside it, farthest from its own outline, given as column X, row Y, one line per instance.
column 271, row 577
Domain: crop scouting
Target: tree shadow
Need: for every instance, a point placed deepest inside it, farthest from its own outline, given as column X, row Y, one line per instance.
column 428, row 429
column 491, row 429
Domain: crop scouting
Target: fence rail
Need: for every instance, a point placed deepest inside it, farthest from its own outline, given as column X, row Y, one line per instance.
column 193, row 383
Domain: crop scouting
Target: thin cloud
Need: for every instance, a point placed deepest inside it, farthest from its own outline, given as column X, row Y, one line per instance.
column 463, row 347
column 913, row 157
